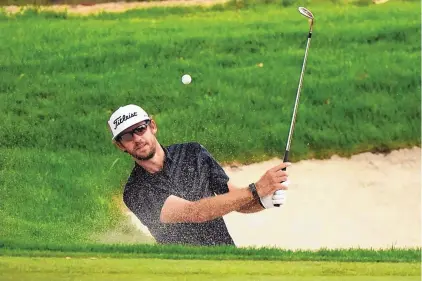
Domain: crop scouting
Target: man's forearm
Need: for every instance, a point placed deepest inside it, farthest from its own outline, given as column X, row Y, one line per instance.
column 251, row 207
column 217, row 206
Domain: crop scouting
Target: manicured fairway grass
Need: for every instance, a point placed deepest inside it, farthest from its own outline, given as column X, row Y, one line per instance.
column 84, row 269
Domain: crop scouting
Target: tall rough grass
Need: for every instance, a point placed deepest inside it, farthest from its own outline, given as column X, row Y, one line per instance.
column 208, row 253
column 61, row 76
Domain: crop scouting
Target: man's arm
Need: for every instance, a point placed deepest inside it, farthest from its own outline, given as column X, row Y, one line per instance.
column 251, row 207
column 178, row 210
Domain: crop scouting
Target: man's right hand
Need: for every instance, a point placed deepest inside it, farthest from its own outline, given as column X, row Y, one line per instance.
column 272, row 180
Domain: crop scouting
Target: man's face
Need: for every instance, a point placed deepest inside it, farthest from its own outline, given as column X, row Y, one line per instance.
column 139, row 140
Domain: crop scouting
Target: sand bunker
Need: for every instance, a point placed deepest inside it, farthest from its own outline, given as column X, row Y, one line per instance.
column 115, row 7
column 88, row 7
column 366, row 201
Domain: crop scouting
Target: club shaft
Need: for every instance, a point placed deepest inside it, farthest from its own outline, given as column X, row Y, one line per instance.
column 292, row 124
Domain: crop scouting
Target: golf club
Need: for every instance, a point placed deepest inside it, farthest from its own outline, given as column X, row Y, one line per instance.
column 305, row 12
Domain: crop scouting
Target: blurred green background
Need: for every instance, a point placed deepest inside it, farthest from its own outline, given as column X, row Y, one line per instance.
column 62, row 75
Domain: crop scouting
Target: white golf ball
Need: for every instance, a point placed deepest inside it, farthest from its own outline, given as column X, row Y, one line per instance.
column 186, row 79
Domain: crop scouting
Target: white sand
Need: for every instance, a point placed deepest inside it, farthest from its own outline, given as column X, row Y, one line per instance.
column 367, row 201
column 114, row 7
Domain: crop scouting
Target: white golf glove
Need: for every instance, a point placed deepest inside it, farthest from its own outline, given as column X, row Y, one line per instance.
column 279, row 197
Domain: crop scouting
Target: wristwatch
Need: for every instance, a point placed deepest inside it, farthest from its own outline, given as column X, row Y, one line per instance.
column 252, row 188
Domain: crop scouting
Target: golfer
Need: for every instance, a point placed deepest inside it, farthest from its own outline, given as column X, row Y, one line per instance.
column 180, row 192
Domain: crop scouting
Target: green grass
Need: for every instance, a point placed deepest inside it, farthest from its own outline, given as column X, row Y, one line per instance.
column 62, row 76
column 206, row 253
column 21, row 268
column 53, row 193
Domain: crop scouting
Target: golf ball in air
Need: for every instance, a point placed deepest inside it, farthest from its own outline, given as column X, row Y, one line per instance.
column 186, row 79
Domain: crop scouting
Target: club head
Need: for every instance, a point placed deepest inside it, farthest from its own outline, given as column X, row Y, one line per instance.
column 305, row 12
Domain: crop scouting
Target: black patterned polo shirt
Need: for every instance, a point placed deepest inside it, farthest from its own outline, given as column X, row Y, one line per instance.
column 189, row 172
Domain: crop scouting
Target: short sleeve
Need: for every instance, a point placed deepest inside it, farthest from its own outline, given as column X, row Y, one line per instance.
column 129, row 197
column 145, row 203
column 217, row 176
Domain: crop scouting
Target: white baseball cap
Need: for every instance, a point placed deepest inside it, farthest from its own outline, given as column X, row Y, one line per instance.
column 124, row 117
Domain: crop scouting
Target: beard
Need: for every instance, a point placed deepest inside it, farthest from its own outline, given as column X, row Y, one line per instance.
column 148, row 156
column 144, row 158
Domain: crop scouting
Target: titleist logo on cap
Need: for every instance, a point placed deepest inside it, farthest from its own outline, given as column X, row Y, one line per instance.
column 119, row 120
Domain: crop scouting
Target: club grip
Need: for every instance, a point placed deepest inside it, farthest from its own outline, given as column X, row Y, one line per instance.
column 285, row 159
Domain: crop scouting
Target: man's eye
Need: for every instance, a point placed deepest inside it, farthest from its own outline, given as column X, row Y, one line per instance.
column 140, row 129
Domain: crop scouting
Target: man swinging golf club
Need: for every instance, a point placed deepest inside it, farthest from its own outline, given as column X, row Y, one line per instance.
column 180, row 192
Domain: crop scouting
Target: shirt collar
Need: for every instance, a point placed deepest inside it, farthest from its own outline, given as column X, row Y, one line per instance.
column 166, row 153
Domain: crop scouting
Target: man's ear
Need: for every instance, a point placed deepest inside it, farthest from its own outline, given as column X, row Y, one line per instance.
column 119, row 145
column 153, row 126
